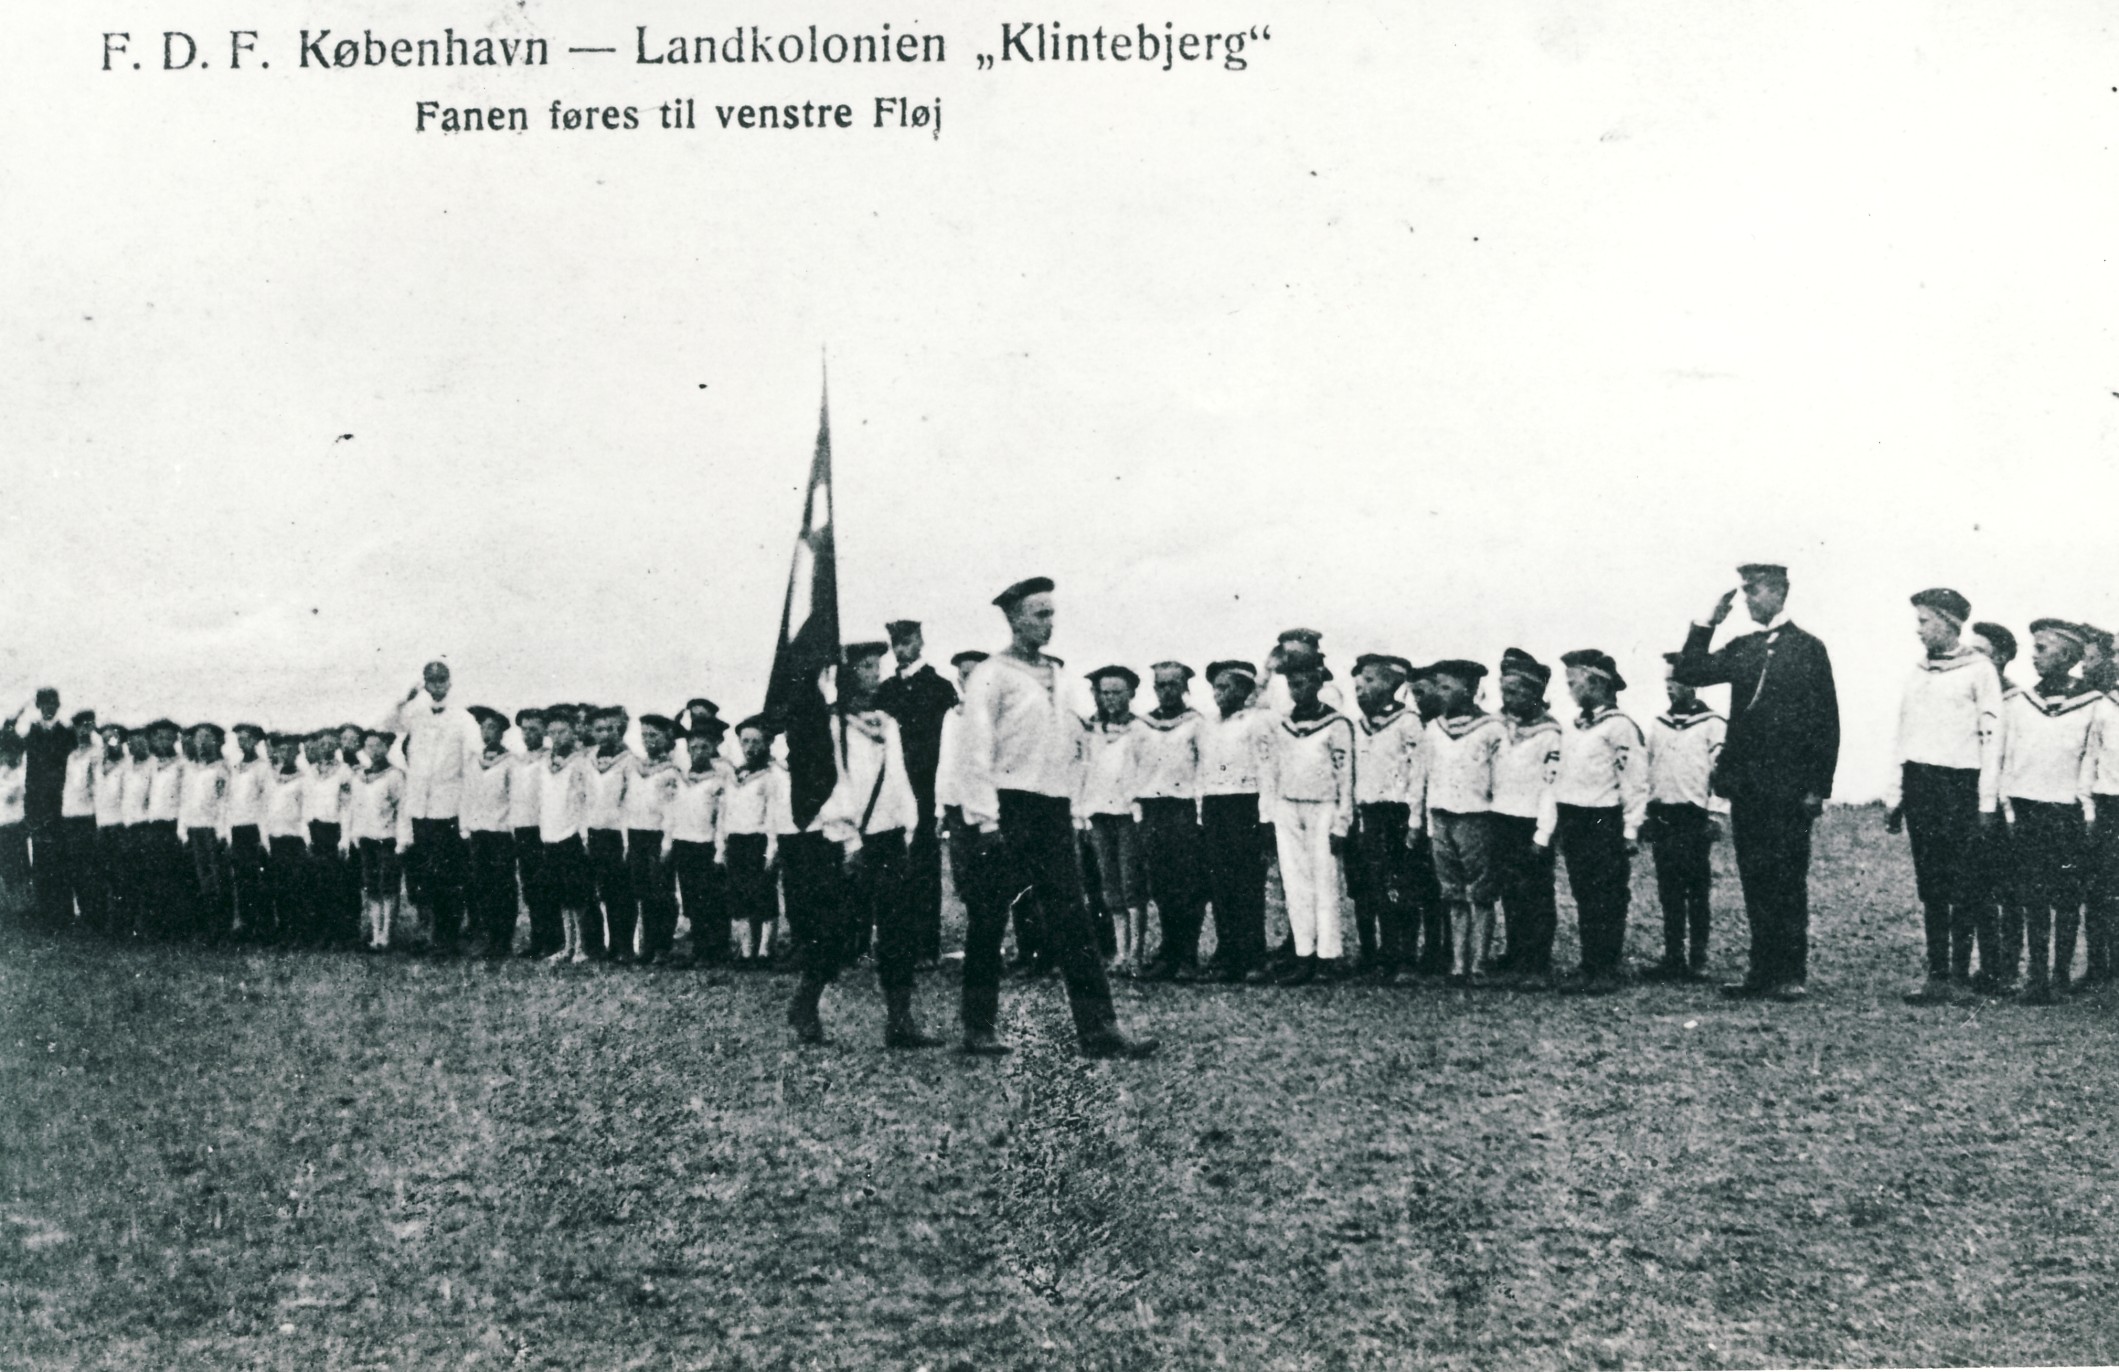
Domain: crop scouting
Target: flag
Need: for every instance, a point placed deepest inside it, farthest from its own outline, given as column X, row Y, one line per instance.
column 809, row 641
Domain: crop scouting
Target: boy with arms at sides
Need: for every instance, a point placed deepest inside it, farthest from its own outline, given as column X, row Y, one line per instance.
column 1463, row 742
column 1602, row 792
column 246, row 835
column 1683, row 743
column 487, row 813
column 694, row 833
column 648, row 797
column 285, row 832
column 1389, row 780
column 757, row 811
column 2045, row 799
column 334, row 884
column 203, row 818
column 607, row 770
column 1944, row 789
column 545, row 935
column 1525, row 816
column 1165, row 787
column 112, row 858
column 1309, row 790
column 374, row 817
column 562, row 803
column 1233, row 740
column 1103, row 810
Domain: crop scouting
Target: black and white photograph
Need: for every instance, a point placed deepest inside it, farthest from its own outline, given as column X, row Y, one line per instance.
column 1370, row 683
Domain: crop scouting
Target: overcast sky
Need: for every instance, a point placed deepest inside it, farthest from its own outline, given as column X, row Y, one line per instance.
column 1441, row 328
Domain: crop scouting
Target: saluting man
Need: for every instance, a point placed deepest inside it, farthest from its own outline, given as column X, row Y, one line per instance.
column 1019, row 754
column 1776, row 768
column 1945, row 790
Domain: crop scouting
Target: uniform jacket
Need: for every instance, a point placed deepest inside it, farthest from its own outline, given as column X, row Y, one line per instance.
column 919, row 701
column 1783, row 739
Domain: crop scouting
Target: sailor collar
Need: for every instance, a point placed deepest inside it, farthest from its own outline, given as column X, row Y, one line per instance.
column 868, row 724
column 559, row 764
column 1460, row 726
column 1952, row 661
column 1377, row 723
column 1686, row 720
column 611, row 763
column 1592, row 719
column 1520, row 729
column 1097, row 724
column 1308, row 728
column 487, row 764
column 746, row 775
column 2052, row 707
column 650, row 766
column 694, row 776
column 1165, row 725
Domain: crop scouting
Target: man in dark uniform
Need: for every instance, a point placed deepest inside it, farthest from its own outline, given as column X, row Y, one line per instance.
column 1775, row 769
column 919, row 699
column 44, row 783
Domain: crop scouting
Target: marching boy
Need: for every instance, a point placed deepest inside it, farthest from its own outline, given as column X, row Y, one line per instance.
column 2045, row 790
column 1944, row 791
column 1310, row 794
column 607, row 771
column 373, row 814
column 1524, row 816
column 487, row 814
column 693, row 827
column 648, row 797
column 1389, row 779
column 562, row 801
column 756, row 813
column 1683, row 743
column 1602, row 795
column 545, row 935
column 1463, row 742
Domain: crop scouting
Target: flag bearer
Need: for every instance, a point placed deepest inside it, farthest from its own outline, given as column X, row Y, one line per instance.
column 1103, row 810
column 870, row 814
column 1945, row 790
column 1233, row 740
column 1463, row 743
column 112, row 857
column 1020, row 748
column 2045, row 795
column 1602, row 795
column 757, row 811
column 1683, row 743
column 648, row 796
column 1524, row 816
column 1389, row 780
column 1309, row 790
column 246, row 835
column 694, row 828
column 1165, row 786
column 202, row 817
column 487, row 811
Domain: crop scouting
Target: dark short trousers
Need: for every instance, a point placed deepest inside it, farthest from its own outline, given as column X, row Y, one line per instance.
column 567, row 881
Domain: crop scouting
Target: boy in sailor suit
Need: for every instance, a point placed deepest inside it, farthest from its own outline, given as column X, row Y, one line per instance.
column 648, row 797
column 1309, row 791
column 486, row 813
column 1232, row 760
column 607, row 770
column 1683, row 743
column 1389, row 780
column 1602, row 795
column 1104, row 810
column 1524, row 816
column 203, row 820
column 545, row 932
column 756, row 813
column 1463, row 742
column 693, row 827
column 1944, row 791
column 376, row 822
column 113, row 856
column 1165, row 786
column 2045, row 795
column 286, row 837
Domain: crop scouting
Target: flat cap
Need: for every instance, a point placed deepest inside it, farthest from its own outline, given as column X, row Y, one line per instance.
column 528, row 713
column 2065, row 628
column 1023, row 590
column 1596, row 662
column 1395, row 664
column 84, row 717
column 864, row 651
column 1309, row 636
column 761, row 723
column 2099, row 638
column 484, row 714
column 1177, row 667
column 1944, row 601
column 1762, row 571
column 1517, row 663
column 1125, row 674
column 1216, row 670
column 1458, row 669
column 1999, row 636
column 968, row 655
column 662, row 723
column 701, row 705
column 901, row 629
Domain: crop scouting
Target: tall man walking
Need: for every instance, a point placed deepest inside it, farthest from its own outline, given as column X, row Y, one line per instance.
column 919, row 699
column 1019, row 748
column 441, row 743
column 1775, row 769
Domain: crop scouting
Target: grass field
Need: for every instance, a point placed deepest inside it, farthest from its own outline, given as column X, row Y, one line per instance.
column 223, row 1159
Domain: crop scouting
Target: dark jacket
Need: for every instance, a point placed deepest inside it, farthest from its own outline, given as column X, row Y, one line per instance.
column 1783, row 740
column 919, row 703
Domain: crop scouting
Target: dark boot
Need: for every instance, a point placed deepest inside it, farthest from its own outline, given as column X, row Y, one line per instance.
column 1111, row 1043
column 900, row 1029
column 981, row 1009
column 802, row 1014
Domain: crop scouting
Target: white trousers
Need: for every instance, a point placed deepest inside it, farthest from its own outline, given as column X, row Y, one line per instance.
column 1309, row 874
